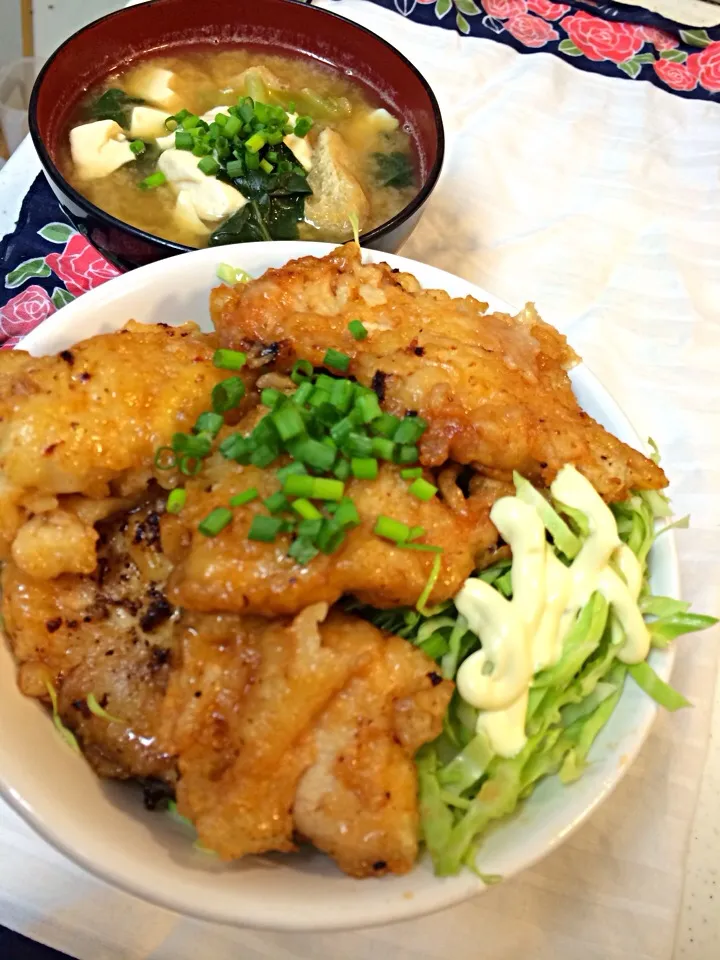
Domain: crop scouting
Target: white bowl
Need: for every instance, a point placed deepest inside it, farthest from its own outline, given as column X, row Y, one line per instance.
column 103, row 826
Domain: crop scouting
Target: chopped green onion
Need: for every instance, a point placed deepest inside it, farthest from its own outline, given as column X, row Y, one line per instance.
column 266, row 166
column 165, row 458
column 225, row 359
column 302, row 393
column 358, row 445
column 215, row 521
column 231, row 127
column 313, row 453
column 190, row 466
column 94, row 707
column 276, row 502
column 411, row 473
column 410, row 430
column 303, row 550
column 326, row 489
column 270, row 397
column 302, row 369
column 302, row 126
column 342, row 394
column 421, row 547
column 292, row 469
column 184, row 140
column 364, row 468
column 299, row 486
column 235, row 168
column 386, row 425
column 209, row 422
column 137, row 147
column 330, row 537
column 236, row 447
column 416, row 532
column 263, row 455
column 288, row 422
column 407, row 454
column 383, row 448
column 368, row 407
column 422, row 489
column 194, row 445
column 309, row 529
column 156, row 179
column 176, row 500
column 357, row 329
column 208, row 165
column 391, row 529
column 240, row 499
column 347, row 514
column 264, row 529
column 255, row 142
column 324, row 382
column 342, row 430
column 342, row 469
column 188, row 120
column 227, row 394
column 306, row 509
column 336, row 360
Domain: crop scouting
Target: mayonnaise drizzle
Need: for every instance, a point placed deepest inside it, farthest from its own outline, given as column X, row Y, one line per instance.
column 524, row 635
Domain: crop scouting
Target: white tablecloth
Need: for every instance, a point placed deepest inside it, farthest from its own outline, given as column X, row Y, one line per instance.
column 599, row 199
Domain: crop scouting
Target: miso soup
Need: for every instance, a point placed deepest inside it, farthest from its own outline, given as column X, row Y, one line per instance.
column 206, row 148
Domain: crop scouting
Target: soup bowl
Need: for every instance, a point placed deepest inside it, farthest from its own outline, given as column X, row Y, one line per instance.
column 167, row 27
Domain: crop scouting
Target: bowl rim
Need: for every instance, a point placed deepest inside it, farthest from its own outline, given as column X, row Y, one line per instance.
column 53, row 173
column 444, row 894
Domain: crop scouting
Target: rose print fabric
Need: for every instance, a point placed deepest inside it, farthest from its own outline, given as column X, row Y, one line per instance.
column 613, row 39
column 45, row 263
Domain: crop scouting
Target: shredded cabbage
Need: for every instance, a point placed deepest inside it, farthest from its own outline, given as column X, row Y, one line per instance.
column 67, row 735
column 463, row 787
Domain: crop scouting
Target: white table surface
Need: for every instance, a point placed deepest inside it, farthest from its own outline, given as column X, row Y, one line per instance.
column 600, row 199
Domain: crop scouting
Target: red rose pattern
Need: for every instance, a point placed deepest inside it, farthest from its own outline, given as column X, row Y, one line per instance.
column 530, row 31
column 503, row 9
column 600, row 40
column 660, row 39
column 548, row 10
column 80, row 266
column 675, row 75
column 24, row 312
column 706, row 67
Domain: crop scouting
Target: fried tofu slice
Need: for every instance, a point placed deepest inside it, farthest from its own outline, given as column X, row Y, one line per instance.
column 263, row 716
column 336, row 191
column 109, row 634
column 494, row 388
column 231, row 573
column 88, row 421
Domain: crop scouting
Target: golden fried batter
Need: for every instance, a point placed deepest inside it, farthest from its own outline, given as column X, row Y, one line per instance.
column 91, row 418
column 302, row 725
column 494, row 388
column 231, row 573
column 109, row 634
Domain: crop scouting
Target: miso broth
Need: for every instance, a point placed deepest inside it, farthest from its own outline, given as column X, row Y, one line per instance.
column 206, row 148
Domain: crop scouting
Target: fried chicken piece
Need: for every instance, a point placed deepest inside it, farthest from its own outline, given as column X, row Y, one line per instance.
column 109, row 634
column 88, row 421
column 228, row 572
column 494, row 388
column 322, row 715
